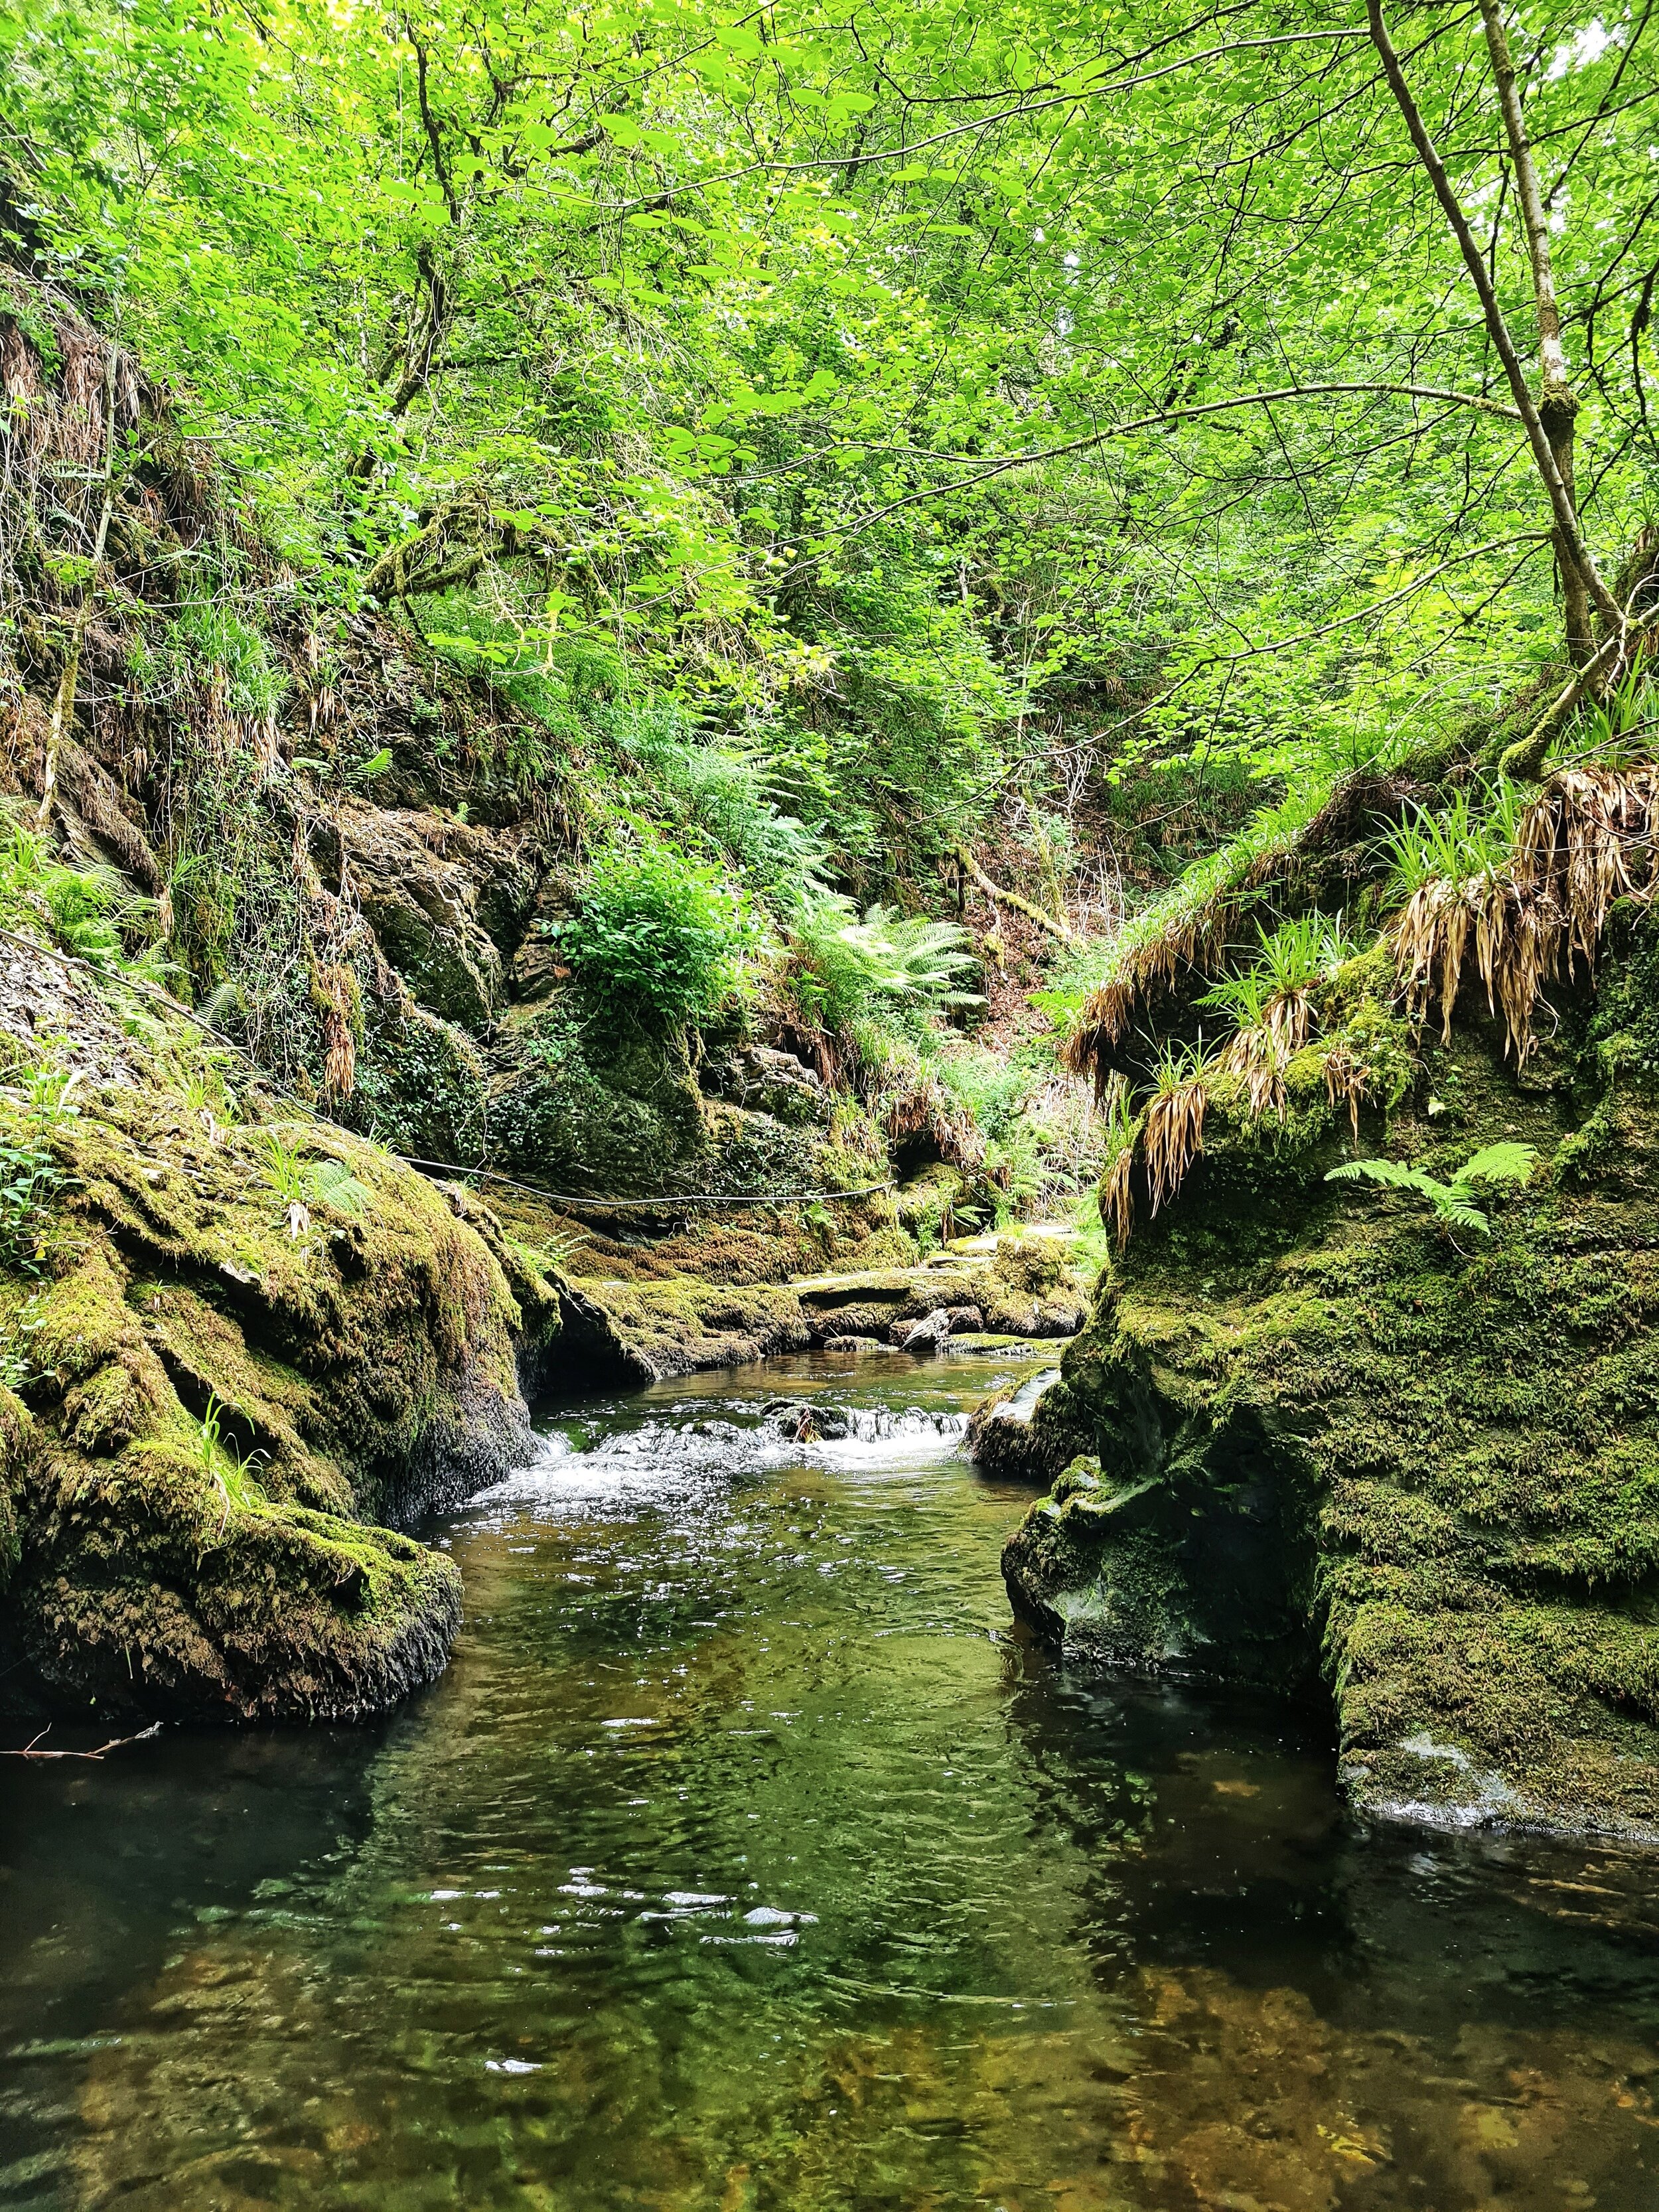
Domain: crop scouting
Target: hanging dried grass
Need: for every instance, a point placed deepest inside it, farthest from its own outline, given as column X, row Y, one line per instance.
column 1345, row 1081
column 335, row 987
column 925, row 1110
column 1430, row 939
column 1109, row 1013
column 1586, row 842
column 1259, row 1056
column 1117, row 1205
column 1173, row 1136
column 1287, row 1017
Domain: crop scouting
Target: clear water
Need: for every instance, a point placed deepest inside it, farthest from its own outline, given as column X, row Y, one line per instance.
column 747, row 1857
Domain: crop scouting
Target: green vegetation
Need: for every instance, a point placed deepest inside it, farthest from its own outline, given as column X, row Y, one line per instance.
column 655, row 936
column 298, row 1183
column 654, row 422
column 1453, row 1202
column 682, row 601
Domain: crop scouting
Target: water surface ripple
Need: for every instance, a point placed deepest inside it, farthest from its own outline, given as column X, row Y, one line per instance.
column 746, row 1857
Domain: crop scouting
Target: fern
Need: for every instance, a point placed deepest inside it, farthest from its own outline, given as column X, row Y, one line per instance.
column 1508, row 1162
column 299, row 1184
column 1453, row 1202
column 913, row 958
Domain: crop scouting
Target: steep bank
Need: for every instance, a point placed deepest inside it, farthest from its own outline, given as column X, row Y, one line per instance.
column 242, row 1349
column 1317, row 1437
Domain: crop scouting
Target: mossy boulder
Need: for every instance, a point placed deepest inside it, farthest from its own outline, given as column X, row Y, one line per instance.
column 237, row 1379
column 1325, row 1444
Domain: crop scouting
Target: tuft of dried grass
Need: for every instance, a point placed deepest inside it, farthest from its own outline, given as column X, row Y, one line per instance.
column 1259, row 1056
column 1586, row 842
column 1173, row 1137
column 1117, row 1205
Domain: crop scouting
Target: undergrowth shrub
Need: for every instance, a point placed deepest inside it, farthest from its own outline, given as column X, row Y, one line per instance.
column 656, row 938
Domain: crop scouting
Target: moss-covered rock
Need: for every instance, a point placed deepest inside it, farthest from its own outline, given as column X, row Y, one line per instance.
column 647, row 1330
column 1327, row 1442
column 238, row 1348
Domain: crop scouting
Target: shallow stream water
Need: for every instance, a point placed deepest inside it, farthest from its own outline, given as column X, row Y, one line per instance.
column 747, row 1857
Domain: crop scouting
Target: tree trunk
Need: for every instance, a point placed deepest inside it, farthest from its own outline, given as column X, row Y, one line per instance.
column 1557, row 403
column 1547, row 439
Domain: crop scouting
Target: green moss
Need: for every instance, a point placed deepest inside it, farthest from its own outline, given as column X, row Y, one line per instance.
column 672, row 1327
column 619, row 1117
column 1456, row 1453
column 19, row 1445
column 221, row 1395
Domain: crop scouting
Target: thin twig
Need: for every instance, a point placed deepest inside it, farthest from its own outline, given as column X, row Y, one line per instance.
column 115, row 1743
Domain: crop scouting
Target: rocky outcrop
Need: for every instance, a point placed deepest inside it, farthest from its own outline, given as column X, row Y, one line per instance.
column 1329, row 1440
column 1003, row 1442
column 442, row 898
column 1007, row 1285
column 647, row 1326
column 243, row 1350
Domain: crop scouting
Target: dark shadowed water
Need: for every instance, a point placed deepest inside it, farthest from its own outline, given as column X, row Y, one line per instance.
column 745, row 1858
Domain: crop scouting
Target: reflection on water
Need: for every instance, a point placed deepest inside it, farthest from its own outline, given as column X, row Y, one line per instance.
column 745, row 1858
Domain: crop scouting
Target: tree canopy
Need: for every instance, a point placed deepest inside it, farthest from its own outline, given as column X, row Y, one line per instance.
column 942, row 402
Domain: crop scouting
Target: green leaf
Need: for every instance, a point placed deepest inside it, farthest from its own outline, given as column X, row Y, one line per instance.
column 1394, row 1173
column 1506, row 1161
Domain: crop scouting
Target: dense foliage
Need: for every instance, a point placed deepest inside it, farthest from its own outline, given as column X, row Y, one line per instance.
column 853, row 441
column 654, row 936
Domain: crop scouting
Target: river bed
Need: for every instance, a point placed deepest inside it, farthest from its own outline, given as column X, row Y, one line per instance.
column 748, row 1857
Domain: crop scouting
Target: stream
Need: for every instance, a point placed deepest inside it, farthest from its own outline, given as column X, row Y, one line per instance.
column 748, row 1857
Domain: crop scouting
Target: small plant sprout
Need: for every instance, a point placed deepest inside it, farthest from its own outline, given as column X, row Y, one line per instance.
column 299, row 1184
column 1453, row 1202
column 205, row 1093
column 48, row 1094
column 232, row 1471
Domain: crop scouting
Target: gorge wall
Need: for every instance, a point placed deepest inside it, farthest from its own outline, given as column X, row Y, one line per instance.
column 1316, row 1440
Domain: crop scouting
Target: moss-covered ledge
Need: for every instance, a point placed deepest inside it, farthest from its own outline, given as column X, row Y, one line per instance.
column 1323, row 1443
column 243, row 1354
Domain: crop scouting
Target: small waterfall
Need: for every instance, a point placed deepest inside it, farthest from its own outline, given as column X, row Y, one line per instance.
column 805, row 1421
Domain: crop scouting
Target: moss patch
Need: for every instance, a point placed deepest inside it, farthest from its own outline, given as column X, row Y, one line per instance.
column 232, row 1366
column 1316, row 1421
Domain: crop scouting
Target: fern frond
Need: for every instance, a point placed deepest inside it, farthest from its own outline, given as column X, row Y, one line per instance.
column 1394, row 1173
column 1454, row 1210
column 332, row 1183
column 1504, row 1163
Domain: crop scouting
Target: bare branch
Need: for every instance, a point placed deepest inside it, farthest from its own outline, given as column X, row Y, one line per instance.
column 1558, row 402
column 1498, row 329
column 115, row 1743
